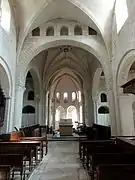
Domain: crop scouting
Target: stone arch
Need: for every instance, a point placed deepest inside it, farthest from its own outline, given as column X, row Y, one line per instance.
column 28, row 115
column 72, row 114
column 5, row 78
column 59, row 78
column 85, row 43
column 124, row 67
column 103, row 116
column 36, row 80
column 28, row 109
column 76, row 3
column 103, row 110
column 6, row 87
column 62, row 111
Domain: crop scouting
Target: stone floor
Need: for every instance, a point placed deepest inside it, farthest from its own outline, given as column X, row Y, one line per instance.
column 61, row 163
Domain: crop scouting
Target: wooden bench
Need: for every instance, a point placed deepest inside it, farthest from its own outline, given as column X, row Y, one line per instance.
column 110, row 158
column 15, row 161
column 116, row 172
column 27, row 148
column 83, row 145
column 5, row 172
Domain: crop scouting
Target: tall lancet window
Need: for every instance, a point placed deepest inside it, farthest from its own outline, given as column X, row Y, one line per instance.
column 65, row 97
column 73, row 96
column 58, row 97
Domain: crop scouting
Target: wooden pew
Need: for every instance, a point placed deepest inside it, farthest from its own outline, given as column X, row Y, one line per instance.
column 41, row 139
column 98, row 132
column 15, row 161
column 123, row 152
column 5, row 172
column 110, row 158
column 28, row 133
column 116, row 172
column 27, row 148
column 83, row 145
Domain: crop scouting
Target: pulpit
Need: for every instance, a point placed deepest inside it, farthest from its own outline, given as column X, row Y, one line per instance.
column 65, row 127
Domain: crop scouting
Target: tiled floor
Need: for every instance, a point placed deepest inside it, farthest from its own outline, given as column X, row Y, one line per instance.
column 61, row 163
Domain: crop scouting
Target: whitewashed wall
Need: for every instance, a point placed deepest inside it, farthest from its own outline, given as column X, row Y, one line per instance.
column 8, row 55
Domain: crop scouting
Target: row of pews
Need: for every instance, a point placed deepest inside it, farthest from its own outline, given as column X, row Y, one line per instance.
column 21, row 151
column 108, row 158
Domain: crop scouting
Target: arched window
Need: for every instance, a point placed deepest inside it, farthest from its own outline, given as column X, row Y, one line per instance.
column 50, row 31
column 5, row 15
column 103, row 110
column 103, row 97
column 102, row 73
column 73, row 96
column 31, row 95
column 28, row 110
column 72, row 114
column 58, row 97
column 77, row 30
column 65, row 97
column 64, row 31
column 36, row 32
column 29, row 75
column 79, row 96
column 91, row 31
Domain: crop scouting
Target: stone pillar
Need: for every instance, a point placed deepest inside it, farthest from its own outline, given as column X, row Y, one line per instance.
column 78, row 112
column 53, row 112
column 126, row 102
column 37, row 100
column 83, row 107
column 95, row 110
column 48, row 109
column 19, row 91
column 112, row 113
column 5, row 127
column 115, row 122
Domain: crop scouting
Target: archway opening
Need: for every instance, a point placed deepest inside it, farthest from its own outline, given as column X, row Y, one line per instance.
column 72, row 114
column 29, row 103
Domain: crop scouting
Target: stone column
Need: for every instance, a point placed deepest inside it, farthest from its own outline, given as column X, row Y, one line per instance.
column 37, row 100
column 53, row 112
column 19, row 91
column 48, row 113
column 5, row 127
column 78, row 112
column 126, row 104
column 95, row 110
column 115, row 122
column 83, row 106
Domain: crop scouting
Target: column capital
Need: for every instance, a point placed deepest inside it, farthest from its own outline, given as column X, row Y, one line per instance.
column 7, row 97
column 20, row 87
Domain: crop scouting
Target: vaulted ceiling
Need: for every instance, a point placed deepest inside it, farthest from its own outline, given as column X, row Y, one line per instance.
column 94, row 13
column 66, row 60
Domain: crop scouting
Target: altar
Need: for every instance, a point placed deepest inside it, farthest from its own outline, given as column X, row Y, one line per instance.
column 65, row 127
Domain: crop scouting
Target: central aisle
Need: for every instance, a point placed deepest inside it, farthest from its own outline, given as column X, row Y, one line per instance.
column 61, row 163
